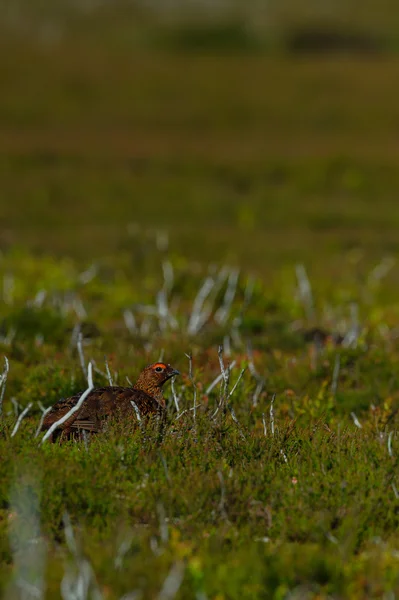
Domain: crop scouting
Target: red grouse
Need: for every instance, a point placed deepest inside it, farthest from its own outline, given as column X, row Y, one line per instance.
column 112, row 401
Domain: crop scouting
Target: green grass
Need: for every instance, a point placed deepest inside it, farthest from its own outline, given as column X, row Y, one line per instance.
column 246, row 158
column 231, row 510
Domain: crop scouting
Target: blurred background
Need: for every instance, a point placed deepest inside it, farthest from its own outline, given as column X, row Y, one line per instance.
column 260, row 133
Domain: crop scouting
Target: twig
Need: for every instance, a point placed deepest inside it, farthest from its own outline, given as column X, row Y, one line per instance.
column 260, row 381
column 272, row 413
column 81, row 354
column 27, row 543
column 86, row 276
column 16, row 405
column 172, row 582
column 186, row 411
column 109, row 377
column 78, row 307
column 305, row 290
column 236, row 383
column 351, row 337
column 196, row 319
column 19, row 420
column 137, row 411
column 74, row 408
column 222, row 314
column 3, row 381
column 219, row 378
column 175, row 398
column 77, row 586
column 130, row 321
column 44, row 413
column 356, row 420
column 124, row 547
column 264, row 424
column 224, row 388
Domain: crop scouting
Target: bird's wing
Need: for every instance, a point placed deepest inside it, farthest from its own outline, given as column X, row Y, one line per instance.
column 114, row 402
column 100, row 404
column 59, row 410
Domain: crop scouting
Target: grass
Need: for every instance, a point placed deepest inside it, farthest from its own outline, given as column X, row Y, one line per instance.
column 300, row 500
column 121, row 168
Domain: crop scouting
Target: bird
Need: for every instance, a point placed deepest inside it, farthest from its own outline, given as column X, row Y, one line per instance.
column 145, row 397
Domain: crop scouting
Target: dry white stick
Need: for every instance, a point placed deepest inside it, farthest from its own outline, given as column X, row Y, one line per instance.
column 81, row 354
column 257, row 393
column 224, row 388
column 97, row 370
column 27, row 544
column 136, row 410
column 89, row 274
column 222, row 314
column 219, row 378
column 236, row 383
column 109, row 377
column 82, row 584
column 260, row 381
column 78, row 307
column 395, row 491
column 75, row 408
column 196, row 319
column 16, row 406
column 264, row 424
column 272, row 413
column 305, row 290
column 39, row 299
column 175, row 398
column 352, row 336
column 186, row 411
column 172, row 582
column 3, row 381
column 225, row 372
column 163, row 309
column 356, row 420
column 19, row 420
column 123, row 549
column 130, row 321
column 44, row 413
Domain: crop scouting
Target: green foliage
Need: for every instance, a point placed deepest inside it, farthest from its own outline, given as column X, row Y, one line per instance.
column 241, row 511
column 248, row 160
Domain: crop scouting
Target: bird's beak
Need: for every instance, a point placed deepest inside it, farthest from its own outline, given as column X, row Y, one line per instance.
column 175, row 372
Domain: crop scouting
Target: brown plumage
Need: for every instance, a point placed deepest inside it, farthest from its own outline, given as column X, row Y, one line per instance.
column 112, row 401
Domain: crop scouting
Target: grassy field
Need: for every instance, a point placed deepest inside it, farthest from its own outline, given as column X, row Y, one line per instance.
column 132, row 177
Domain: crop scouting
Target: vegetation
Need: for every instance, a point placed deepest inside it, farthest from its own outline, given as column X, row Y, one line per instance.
column 163, row 202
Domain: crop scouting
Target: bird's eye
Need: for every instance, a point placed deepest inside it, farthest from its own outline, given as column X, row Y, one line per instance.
column 159, row 369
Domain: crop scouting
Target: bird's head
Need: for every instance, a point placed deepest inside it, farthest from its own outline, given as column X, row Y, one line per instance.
column 152, row 378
